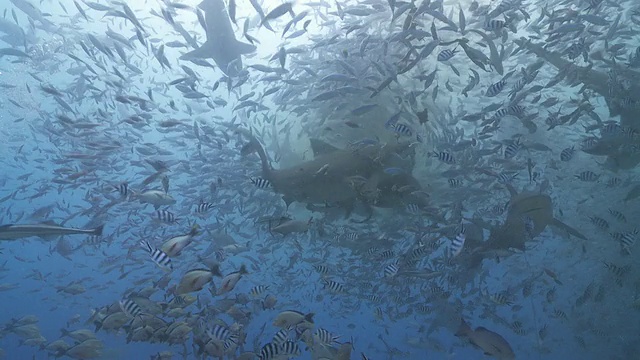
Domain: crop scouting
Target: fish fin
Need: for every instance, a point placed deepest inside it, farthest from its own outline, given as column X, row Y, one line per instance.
column 320, row 147
column 309, row 317
column 244, row 48
column 98, row 231
column 559, row 224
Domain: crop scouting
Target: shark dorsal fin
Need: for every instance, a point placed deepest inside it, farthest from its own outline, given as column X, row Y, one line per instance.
column 320, row 147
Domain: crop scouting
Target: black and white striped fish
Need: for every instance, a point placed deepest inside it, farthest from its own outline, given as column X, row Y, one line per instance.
column 321, row 269
column 123, row 189
column 567, row 153
column 403, row 130
column 387, row 254
column 231, row 342
column 166, row 216
column 280, row 337
column 391, row 270
column 507, row 177
column 334, row 286
column 443, row 156
column 204, row 207
column 496, row 88
column 495, row 24
column 512, row 149
column 413, row 208
column 446, row 54
column 269, row 351
column 618, row 215
column 130, row 308
column 454, row 183
column 258, row 290
column 158, row 256
column 289, row 349
column 219, row 332
column 457, row 244
column 260, row 183
column 587, row 176
column 325, row 337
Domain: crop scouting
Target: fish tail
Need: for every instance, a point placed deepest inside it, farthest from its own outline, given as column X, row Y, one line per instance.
column 309, row 317
column 464, row 329
column 255, row 146
column 98, row 231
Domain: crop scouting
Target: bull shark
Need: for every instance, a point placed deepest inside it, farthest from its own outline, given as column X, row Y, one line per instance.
column 341, row 177
column 221, row 44
column 528, row 215
column 17, row 231
column 598, row 81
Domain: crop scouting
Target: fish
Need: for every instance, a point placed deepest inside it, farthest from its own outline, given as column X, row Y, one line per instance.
column 194, row 280
column 221, row 44
column 490, row 342
column 524, row 207
column 301, row 184
column 19, row 231
column 229, row 282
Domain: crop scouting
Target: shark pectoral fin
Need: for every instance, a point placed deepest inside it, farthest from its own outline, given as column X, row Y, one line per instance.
column 559, row 224
column 203, row 52
column 320, row 147
column 244, row 48
column 287, row 200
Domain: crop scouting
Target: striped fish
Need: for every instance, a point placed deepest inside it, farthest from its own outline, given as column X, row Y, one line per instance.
column 325, row 337
column 458, row 243
column 495, row 24
column 588, row 176
column 403, row 130
column 495, row 89
column 334, row 286
column 166, row 216
column 218, row 332
column 130, row 308
column 204, row 207
column 260, row 183
column 446, row 54
column 512, row 149
column 258, row 290
column 289, row 349
column 158, row 256
column 269, row 351
column 123, row 189
column 280, row 337
column 443, row 156
column 391, row 270
column 567, row 153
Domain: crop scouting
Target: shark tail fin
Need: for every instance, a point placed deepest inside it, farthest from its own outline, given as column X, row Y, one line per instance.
column 244, row 48
column 255, row 146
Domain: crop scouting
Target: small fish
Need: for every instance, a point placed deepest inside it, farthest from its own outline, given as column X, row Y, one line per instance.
column 158, row 256
column 130, row 308
column 166, row 216
column 457, row 244
column 391, row 270
column 443, row 156
column 261, row 183
column 587, row 176
column 567, row 153
column 229, row 282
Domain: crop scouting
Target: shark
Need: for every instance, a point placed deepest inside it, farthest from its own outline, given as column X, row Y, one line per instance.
column 344, row 177
column 221, row 44
column 618, row 156
column 18, row 231
column 528, row 215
